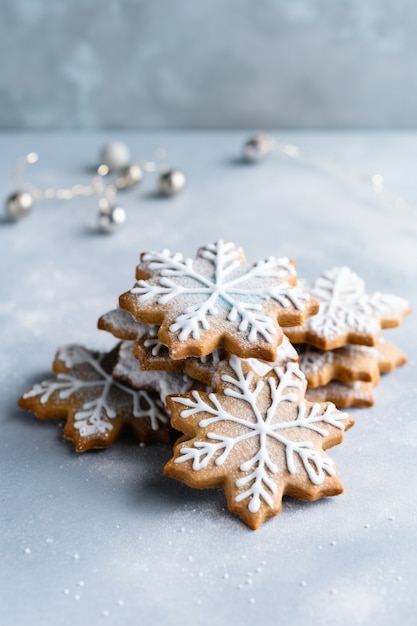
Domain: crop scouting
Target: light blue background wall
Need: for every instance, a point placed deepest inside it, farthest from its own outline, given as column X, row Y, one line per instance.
column 208, row 63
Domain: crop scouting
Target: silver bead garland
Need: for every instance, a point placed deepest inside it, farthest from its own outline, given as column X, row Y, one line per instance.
column 114, row 158
column 261, row 144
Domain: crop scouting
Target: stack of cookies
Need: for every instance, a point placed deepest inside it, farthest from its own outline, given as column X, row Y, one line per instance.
column 206, row 358
column 342, row 352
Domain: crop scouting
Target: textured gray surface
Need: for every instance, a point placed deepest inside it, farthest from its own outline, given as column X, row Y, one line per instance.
column 135, row 63
column 103, row 535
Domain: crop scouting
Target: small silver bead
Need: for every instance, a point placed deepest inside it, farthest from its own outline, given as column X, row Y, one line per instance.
column 258, row 146
column 129, row 176
column 171, row 182
column 110, row 217
column 115, row 155
column 19, row 204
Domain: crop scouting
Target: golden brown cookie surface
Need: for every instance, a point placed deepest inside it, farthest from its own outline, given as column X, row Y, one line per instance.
column 347, row 313
column 350, row 363
column 258, row 439
column 343, row 395
column 128, row 370
column 155, row 356
column 217, row 300
column 96, row 407
column 122, row 325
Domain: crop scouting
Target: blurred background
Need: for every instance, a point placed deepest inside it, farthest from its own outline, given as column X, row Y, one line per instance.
column 220, row 64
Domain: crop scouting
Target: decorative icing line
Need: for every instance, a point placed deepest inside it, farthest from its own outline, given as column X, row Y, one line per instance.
column 258, row 485
column 219, row 287
column 162, row 382
column 285, row 352
column 152, row 342
column 94, row 415
column 344, row 305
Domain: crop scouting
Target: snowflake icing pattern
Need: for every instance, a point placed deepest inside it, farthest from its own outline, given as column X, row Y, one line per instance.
column 217, row 284
column 259, row 439
column 345, row 306
column 99, row 404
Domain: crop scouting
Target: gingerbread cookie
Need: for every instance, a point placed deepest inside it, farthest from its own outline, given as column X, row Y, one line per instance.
column 122, row 325
column 217, row 300
column 96, row 408
column 155, row 356
column 343, row 395
column 258, row 439
column 389, row 356
column 128, row 370
column 349, row 363
column 347, row 313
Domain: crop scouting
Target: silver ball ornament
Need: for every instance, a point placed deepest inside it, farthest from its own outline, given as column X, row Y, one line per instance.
column 258, row 146
column 129, row 176
column 116, row 155
column 110, row 217
column 19, row 204
column 171, row 182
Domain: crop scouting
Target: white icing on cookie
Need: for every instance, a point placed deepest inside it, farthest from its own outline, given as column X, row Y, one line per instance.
column 162, row 382
column 285, row 352
column 152, row 342
column 263, row 427
column 345, row 306
column 218, row 282
column 123, row 324
column 96, row 413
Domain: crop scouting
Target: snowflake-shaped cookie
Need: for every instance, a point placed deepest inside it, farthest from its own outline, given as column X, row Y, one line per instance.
column 128, row 370
column 344, row 395
column 155, row 356
column 258, row 439
column 217, row 300
column 122, row 325
column 96, row 407
column 347, row 313
column 350, row 363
